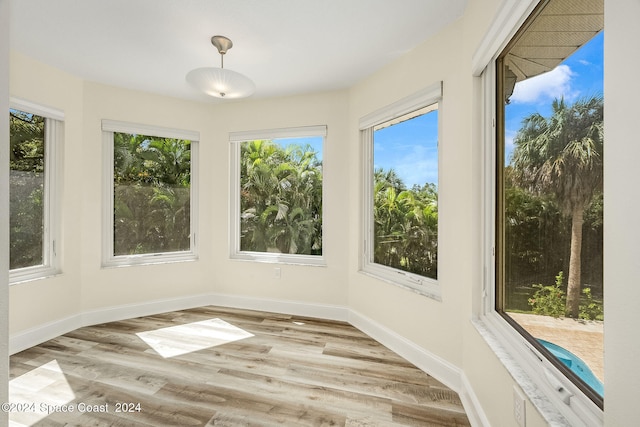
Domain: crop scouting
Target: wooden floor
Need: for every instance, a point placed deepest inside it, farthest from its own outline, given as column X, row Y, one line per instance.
column 214, row 366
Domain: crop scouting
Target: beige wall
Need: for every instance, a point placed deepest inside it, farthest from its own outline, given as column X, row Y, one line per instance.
column 85, row 286
column 323, row 285
column 402, row 310
column 132, row 285
column 442, row 328
column 59, row 297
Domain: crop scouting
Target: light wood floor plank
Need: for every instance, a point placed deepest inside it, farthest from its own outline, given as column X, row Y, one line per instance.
column 214, row 366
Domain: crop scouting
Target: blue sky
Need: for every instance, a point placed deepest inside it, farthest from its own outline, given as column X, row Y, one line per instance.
column 410, row 148
column 314, row 141
column 580, row 75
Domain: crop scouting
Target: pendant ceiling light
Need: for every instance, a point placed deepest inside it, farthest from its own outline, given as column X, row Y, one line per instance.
column 221, row 82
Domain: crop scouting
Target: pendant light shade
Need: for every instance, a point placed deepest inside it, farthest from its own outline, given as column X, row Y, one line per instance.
column 221, row 82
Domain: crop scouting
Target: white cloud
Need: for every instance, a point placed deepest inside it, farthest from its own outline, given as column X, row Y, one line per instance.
column 509, row 136
column 418, row 165
column 545, row 87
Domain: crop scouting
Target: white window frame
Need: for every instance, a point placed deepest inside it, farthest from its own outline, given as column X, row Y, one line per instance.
column 235, row 140
column 53, row 138
column 431, row 95
column 556, row 398
column 109, row 127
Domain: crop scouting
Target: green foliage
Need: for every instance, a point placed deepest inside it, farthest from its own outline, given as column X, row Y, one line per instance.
column 281, row 198
column 26, row 141
column 549, row 300
column 553, row 182
column 405, row 224
column 590, row 309
column 560, row 157
column 536, row 235
column 281, row 209
column 26, row 189
column 152, row 178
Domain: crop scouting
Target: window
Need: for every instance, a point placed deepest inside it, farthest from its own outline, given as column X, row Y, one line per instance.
column 277, row 195
column 35, row 133
column 400, row 143
column 545, row 219
column 150, row 186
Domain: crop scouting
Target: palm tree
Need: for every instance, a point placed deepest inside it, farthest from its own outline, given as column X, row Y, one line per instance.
column 281, row 198
column 405, row 224
column 260, row 205
column 562, row 156
column 388, row 178
column 152, row 193
column 169, row 161
column 388, row 229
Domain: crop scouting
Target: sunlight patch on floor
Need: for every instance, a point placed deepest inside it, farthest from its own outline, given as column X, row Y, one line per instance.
column 37, row 392
column 178, row 340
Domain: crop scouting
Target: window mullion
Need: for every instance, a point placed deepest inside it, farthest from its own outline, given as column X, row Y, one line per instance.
column 108, row 194
column 49, row 196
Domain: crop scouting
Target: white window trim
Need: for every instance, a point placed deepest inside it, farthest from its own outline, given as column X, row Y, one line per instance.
column 235, row 139
column 546, row 387
column 108, row 258
column 426, row 97
column 54, row 135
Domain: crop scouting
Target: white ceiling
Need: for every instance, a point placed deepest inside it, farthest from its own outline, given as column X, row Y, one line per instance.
column 285, row 46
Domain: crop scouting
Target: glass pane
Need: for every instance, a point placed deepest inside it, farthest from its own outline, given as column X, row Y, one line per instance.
column 552, row 201
column 26, row 189
column 152, row 194
column 405, row 194
column 281, row 196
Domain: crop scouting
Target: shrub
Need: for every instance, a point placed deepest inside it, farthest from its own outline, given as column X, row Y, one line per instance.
column 590, row 309
column 549, row 300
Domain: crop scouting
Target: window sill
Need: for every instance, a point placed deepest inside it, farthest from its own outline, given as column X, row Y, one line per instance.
column 525, row 366
column 149, row 259
column 429, row 287
column 277, row 258
column 30, row 274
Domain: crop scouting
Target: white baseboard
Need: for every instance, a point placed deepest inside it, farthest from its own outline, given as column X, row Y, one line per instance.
column 471, row 404
column 440, row 369
column 321, row 311
column 445, row 372
column 437, row 367
column 39, row 334
column 129, row 311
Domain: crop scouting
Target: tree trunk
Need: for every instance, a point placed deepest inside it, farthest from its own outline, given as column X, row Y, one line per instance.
column 573, row 284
